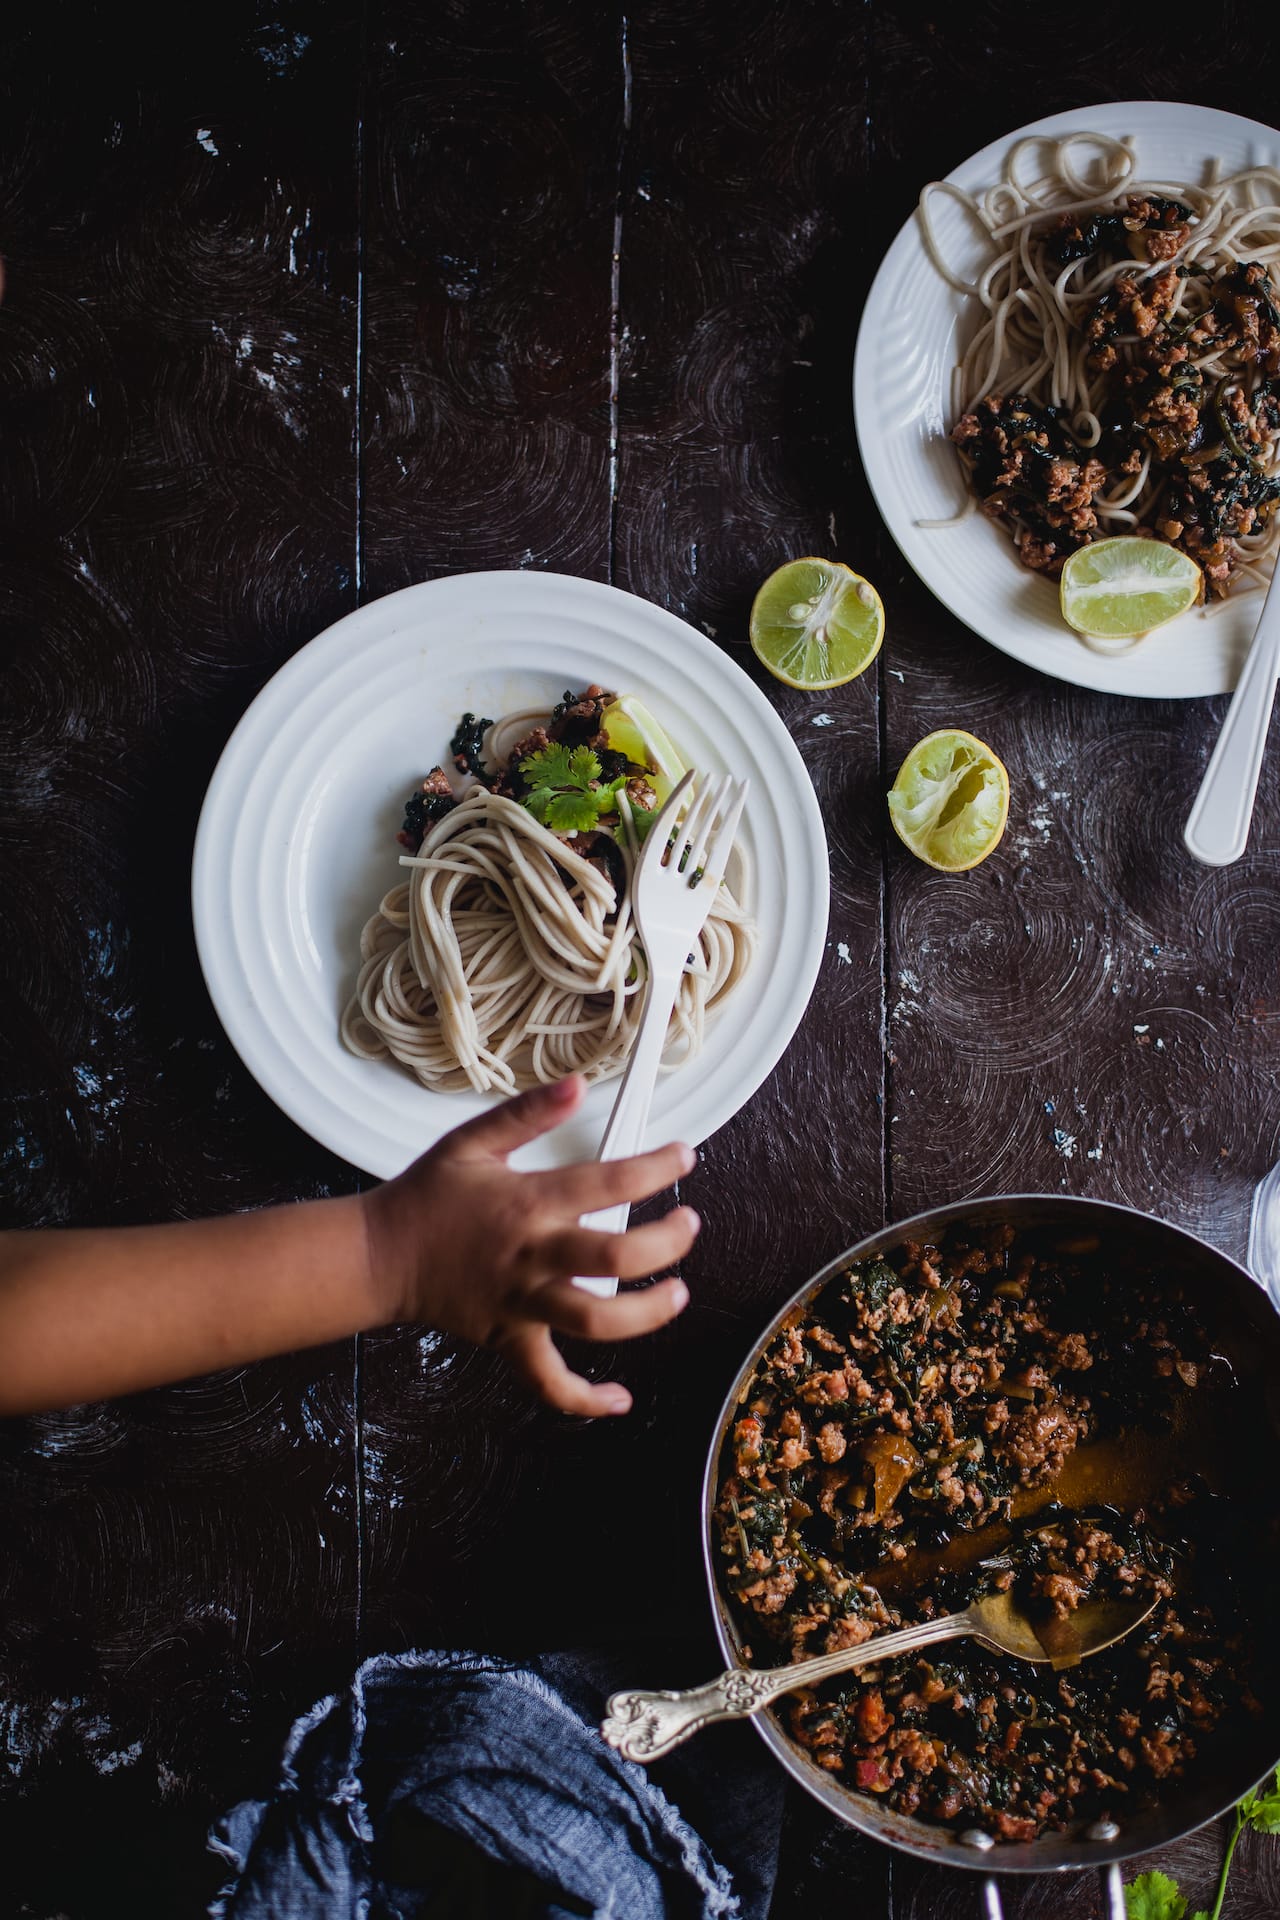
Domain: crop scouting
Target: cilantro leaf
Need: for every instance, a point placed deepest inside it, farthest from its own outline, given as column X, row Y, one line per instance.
column 1262, row 1810
column 1153, row 1896
column 550, row 766
column 584, row 767
column 569, row 812
column 537, row 801
column 562, row 791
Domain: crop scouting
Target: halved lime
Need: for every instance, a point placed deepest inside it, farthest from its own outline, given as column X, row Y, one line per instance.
column 1120, row 589
column 950, row 800
column 816, row 623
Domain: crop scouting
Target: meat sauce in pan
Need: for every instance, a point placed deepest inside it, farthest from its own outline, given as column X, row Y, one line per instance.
column 1002, row 1411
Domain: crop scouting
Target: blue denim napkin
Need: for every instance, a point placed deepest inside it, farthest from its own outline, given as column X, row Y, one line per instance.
column 441, row 1786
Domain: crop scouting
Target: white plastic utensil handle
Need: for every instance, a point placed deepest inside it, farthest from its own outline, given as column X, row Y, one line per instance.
column 625, row 1132
column 1217, row 827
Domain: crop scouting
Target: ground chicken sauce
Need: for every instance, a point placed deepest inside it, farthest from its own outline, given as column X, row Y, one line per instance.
column 905, row 1444
column 1210, row 437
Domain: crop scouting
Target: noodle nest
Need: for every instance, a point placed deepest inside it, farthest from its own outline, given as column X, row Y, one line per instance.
column 506, row 960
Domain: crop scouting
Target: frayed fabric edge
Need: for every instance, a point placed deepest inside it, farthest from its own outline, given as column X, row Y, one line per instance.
column 716, row 1885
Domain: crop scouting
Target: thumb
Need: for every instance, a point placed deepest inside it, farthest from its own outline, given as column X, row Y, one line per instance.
column 513, row 1123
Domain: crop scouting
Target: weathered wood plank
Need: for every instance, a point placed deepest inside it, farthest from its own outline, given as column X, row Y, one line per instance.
column 177, row 350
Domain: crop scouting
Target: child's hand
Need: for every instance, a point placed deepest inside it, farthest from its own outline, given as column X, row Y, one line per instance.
column 459, row 1240
column 464, row 1242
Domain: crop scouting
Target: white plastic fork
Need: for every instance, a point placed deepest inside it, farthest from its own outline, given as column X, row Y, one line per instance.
column 673, row 887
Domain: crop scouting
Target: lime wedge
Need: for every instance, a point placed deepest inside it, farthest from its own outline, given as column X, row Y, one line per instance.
column 950, row 801
column 816, row 623
column 631, row 729
column 1120, row 589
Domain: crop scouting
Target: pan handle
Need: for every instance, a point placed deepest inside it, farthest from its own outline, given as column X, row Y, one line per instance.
column 1112, row 1895
column 1113, row 1892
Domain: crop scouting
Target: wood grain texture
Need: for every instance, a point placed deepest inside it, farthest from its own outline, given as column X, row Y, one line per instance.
column 489, row 220
column 334, row 299
column 490, row 134
column 177, row 349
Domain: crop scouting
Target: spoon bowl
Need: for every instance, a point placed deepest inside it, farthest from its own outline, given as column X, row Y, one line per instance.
column 1001, row 1626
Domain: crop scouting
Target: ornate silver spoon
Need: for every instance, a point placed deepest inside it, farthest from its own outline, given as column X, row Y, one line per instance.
column 645, row 1725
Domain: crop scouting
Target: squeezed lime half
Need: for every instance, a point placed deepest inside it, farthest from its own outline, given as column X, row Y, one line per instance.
column 950, row 801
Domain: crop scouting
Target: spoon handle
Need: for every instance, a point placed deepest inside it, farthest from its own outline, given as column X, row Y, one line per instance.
column 644, row 1725
column 1217, row 827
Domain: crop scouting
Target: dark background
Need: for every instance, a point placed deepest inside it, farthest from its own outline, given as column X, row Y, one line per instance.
column 306, row 303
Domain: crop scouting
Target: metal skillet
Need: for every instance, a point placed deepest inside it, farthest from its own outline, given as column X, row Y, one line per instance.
column 1240, row 1318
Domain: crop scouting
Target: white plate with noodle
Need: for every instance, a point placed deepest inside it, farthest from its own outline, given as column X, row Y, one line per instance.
column 297, row 843
column 916, row 329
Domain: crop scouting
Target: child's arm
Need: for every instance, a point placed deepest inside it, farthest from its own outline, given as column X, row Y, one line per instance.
column 459, row 1240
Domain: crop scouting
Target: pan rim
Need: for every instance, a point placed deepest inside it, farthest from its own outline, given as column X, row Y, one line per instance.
column 946, row 1848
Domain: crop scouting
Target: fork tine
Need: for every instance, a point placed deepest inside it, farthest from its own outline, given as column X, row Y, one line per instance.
column 721, row 842
column 698, row 846
column 664, row 823
column 690, row 827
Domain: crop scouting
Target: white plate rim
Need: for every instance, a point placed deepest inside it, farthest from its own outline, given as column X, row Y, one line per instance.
column 226, row 877
column 1171, row 670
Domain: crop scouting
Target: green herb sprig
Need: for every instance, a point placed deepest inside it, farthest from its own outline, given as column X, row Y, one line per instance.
column 1155, row 1896
column 564, row 788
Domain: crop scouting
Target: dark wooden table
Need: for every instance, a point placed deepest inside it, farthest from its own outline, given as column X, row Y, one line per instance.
column 310, row 303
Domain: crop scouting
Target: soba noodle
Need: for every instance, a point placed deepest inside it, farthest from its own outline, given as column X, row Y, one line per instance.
column 506, row 960
column 1032, row 340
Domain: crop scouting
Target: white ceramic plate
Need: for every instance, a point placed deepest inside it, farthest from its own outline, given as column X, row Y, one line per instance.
column 913, row 329
column 296, row 844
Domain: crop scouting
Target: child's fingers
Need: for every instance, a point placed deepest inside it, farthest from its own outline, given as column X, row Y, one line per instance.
column 593, row 1184
column 573, row 1310
column 631, row 1255
column 513, row 1123
column 537, row 1359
